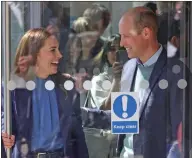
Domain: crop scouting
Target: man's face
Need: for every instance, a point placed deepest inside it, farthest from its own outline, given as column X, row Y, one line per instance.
column 130, row 39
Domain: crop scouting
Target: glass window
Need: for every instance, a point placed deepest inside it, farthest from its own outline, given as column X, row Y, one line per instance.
column 89, row 43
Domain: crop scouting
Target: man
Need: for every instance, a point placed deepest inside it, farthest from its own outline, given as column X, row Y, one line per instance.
column 160, row 101
column 173, row 44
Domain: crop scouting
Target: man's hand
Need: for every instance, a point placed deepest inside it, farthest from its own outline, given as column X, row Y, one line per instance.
column 117, row 70
column 8, row 141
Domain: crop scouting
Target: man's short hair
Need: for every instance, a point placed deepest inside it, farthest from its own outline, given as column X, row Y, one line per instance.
column 98, row 12
column 145, row 18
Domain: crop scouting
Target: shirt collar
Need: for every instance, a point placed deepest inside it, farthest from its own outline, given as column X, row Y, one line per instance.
column 153, row 59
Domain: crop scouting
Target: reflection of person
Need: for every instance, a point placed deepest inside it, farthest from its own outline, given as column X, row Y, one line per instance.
column 87, row 38
column 85, row 41
column 100, row 97
column 100, row 18
column 46, row 13
column 173, row 44
column 178, row 10
column 138, row 28
column 47, row 122
column 152, row 6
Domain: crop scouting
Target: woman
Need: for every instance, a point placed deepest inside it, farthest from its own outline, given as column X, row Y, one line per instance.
column 99, row 96
column 46, row 122
column 86, row 41
column 81, row 53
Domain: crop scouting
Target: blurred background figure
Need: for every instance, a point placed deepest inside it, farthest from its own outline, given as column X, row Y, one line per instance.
column 99, row 97
column 46, row 13
column 162, row 13
column 100, row 18
column 178, row 10
column 173, row 45
column 152, row 6
column 87, row 39
column 80, row 53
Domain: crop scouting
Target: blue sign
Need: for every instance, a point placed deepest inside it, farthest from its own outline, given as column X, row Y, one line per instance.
column 124, row 114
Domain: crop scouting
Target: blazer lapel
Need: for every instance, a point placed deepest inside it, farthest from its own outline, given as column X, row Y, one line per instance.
column 126, row 86
column 62, row 101
column 157, row 71
column 63, row 115
column 128, row 78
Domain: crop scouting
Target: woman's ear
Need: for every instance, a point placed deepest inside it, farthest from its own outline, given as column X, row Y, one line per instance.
column 175, row 41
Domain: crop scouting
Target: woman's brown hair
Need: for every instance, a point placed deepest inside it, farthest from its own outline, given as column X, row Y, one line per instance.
column 30, row 44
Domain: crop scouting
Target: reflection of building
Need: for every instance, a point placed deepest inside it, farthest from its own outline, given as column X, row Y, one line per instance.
column 27, row 15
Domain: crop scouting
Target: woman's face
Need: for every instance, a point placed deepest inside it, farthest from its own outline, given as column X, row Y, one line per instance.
column 111, row 55
column 48, row 58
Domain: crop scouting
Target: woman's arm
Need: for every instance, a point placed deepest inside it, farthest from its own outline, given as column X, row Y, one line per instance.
column 115, row 88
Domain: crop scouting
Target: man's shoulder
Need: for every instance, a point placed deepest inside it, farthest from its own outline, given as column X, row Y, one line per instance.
column 129, row 63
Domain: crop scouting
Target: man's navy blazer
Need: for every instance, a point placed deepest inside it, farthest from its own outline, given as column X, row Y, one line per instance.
column 160, row 110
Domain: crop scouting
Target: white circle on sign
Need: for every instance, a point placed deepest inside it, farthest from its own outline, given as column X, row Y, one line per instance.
column 68, row 85
column 30, row 85
column 49, row 85
column 11, row 85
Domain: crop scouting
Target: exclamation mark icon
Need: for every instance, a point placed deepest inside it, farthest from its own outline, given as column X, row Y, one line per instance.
column 124, row 103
